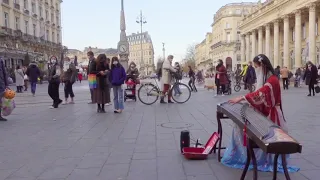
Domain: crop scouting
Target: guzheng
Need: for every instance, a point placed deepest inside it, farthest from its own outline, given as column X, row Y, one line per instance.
column 267, row 135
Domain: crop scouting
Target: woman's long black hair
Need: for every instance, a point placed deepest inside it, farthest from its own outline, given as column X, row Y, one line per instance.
column 262, row 59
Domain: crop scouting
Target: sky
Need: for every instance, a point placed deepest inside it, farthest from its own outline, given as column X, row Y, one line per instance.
column 177, row 23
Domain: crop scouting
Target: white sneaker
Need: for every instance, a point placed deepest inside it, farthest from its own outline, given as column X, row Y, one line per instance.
column 64, row 103
column 108, row 104
column 51, row 107
column 222, row 95
column 216, row 95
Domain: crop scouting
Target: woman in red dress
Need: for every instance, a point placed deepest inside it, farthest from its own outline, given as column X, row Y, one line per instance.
column 267, row 100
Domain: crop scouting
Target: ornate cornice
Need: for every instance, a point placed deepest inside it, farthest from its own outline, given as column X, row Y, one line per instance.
column 312, row 7
column 286, row 18
column 297, row 12
column 276, row 21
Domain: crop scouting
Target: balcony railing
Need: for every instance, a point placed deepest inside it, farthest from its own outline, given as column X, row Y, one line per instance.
column 5, row 31
column 17, row 6
column 5, row 1
column 17, row 33
column 222, row 43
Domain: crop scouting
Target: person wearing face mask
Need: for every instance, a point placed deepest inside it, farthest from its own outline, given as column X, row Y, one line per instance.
column 117, row 77
column 310, row 77
column 166, row 78
column 267, row 100
column 54, row 82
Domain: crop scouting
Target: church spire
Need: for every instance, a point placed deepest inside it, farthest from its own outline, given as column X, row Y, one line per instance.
column 122, row 18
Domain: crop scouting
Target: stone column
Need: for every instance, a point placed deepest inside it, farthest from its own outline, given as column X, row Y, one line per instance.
column 243, row 49
column 312, row 33
column 260, row 41
column 286, row 56
column 248, row 47
column 276, row 43
column 297, row 42
column 268, row 40
column 253, row 42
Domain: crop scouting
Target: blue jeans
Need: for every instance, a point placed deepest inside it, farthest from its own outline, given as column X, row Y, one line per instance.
column 177, row 90
column 33, row 87
column 118, row 97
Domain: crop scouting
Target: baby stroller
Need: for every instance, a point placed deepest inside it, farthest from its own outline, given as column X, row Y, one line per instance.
column 130, row 91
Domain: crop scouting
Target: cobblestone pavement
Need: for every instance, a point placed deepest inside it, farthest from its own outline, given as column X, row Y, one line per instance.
column 75, row 143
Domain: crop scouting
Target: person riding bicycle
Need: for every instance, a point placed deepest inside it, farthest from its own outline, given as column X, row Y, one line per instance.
column 166, row 78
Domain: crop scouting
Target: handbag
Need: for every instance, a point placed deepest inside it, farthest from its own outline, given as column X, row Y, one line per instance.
column 317, row 89
column 92, row 78
column 7, row 106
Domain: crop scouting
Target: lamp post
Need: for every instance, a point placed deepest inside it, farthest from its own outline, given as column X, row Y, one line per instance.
column 141, row 20
column 163, row 50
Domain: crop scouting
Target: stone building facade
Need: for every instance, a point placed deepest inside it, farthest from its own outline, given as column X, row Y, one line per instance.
column 146, row 61
column 286, row 31
column 30, row 27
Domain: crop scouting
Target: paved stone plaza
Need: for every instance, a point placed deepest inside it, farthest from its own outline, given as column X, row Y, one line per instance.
column 75, row 143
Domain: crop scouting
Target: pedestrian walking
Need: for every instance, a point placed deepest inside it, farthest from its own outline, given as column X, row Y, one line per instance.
column 69, row 78
column 33, row 73
column 284, row 73
column 3, row 85
column 19, row 78
column 117, row 78
column 221, row 78
column 310, row 77
column 192, row 80
column 54, row 82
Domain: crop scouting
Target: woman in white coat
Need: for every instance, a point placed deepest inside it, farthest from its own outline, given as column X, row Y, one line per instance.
column 19, row 79
column 166, row 78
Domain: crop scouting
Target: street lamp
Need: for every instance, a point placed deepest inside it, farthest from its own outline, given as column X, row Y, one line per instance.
column 163, row 50
column 141, row 20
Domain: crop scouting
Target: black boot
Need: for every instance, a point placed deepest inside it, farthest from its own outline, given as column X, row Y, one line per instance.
column 162, row 101
column 102, row 109
column 99, row 109
column 170, row 102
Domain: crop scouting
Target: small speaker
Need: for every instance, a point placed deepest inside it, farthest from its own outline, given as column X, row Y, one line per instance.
column 184, row 139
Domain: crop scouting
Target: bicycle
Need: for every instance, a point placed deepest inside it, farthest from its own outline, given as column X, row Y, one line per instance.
column 237, row 86
column 153, row 90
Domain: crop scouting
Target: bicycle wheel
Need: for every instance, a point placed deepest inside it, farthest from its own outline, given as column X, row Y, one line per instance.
column 237, row 88
column 148, row 91
column 183, row 96
column 253, row 87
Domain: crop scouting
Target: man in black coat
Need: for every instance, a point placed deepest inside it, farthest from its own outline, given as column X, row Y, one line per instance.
column 91, row 62
column 311, row 76
column 250, row 77
column 33, row 73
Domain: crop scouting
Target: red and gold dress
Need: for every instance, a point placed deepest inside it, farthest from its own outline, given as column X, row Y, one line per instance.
column 267, row 100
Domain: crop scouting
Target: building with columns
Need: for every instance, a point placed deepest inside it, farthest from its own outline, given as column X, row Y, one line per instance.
column 286, row 31
column 223, row 42
column 30, row 27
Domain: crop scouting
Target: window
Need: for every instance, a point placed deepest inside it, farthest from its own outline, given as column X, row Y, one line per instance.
column 317, row 27
column 304, row 31
column 40, row 11
column 52, row 17
column 34, row 30
column 238, row 36
column 25, row 4
column 17, row 21
column 33, row 7
column 58, row 38
column 47, row 35
column 6, row 20
column 293, row 34
column 53, row 36
column 57, row 20
column 26, row 24
column 227, row 25
column 238, row 11
column 228, row 37
column 47, row 15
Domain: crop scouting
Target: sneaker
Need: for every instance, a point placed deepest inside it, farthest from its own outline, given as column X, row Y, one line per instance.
column 52, row 107
column 170, row 102
column 64, row 103
column 108, row 104
column 3, row 119
column 222, row 95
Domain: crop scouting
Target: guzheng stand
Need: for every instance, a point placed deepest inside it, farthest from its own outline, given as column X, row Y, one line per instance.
column 250, row 154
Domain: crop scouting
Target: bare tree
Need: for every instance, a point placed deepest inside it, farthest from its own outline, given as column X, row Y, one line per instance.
column 190, row 59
